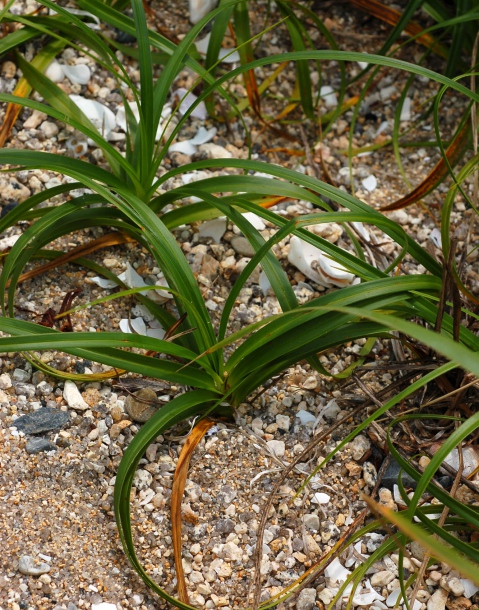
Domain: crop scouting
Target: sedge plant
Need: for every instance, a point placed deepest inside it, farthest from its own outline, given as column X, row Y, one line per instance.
column 221, row 368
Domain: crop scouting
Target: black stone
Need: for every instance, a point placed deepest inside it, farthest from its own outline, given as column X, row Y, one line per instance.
column 37, row 445
column 124, row 37
column 43, row 420
column 80, row 367
column 391, row 476
column 8, row 207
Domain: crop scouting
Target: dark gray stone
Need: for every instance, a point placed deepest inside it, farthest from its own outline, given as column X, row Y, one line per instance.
column 43, row 420
column 225, row 526
column 391, row 476
column 37, row 445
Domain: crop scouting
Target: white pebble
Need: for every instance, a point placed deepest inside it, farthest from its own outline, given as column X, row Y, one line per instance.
column 73, row 398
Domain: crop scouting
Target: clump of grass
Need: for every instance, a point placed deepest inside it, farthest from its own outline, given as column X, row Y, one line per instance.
column 382, row 304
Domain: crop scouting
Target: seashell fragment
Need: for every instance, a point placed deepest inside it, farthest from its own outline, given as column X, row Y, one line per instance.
column 336, row 572
column 317, row 266
column 103, row 282
column 228, row 56
column 123, row 123
column 135, row 324
column 101, row 116
column 187, row 100
column 200, row 8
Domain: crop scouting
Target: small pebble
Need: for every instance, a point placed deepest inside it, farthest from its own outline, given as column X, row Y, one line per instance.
column 37, row 445
column 73, row 398
column 31, row 567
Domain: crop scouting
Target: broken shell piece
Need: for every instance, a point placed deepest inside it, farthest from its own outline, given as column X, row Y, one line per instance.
column 101, row 116
column 156, row 333
column 361, row 230
column 188, row 147
column 228, row 56
column 78, row 75
column 103, row 282
column 123, row 124
column 329, row 96
column 366, row 596
column 8, row 242
column 370, row 183
column 317, row 266
column 187, row 100
column 185, row 147
column 470, row 458
column 200, row 8
column 393, row 597
column 213, row 228
column 76, row 146
column 136, row 325
column 335, row 572
column 164, row 294
column 140, row 311
column 55, row 72
column 469, row 587
column 353, row 559
column 131, row 278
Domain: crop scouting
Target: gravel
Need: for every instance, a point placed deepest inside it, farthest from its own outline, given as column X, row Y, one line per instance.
column 57, row 490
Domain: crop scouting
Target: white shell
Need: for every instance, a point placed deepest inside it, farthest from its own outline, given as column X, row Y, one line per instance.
column 188, row 147
column 101, row 116
column 393, row 597
column 135, row 324
column 361, row 230
column 103, row 282
column 55, row 72
column 213, row 228
column 317, row 266
column 140, row 311
column 366, row 596
column 469, row 587
column 8, row 242
column 131, row 278
column 156, row 333
column 203, row 135
column 200, row 8
column 185, row 147
column 187, row 100
column 336, row 572
column 228, row 56
column 305, row 417
column 122, row 122
column 163, row 293
column 79, row 75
